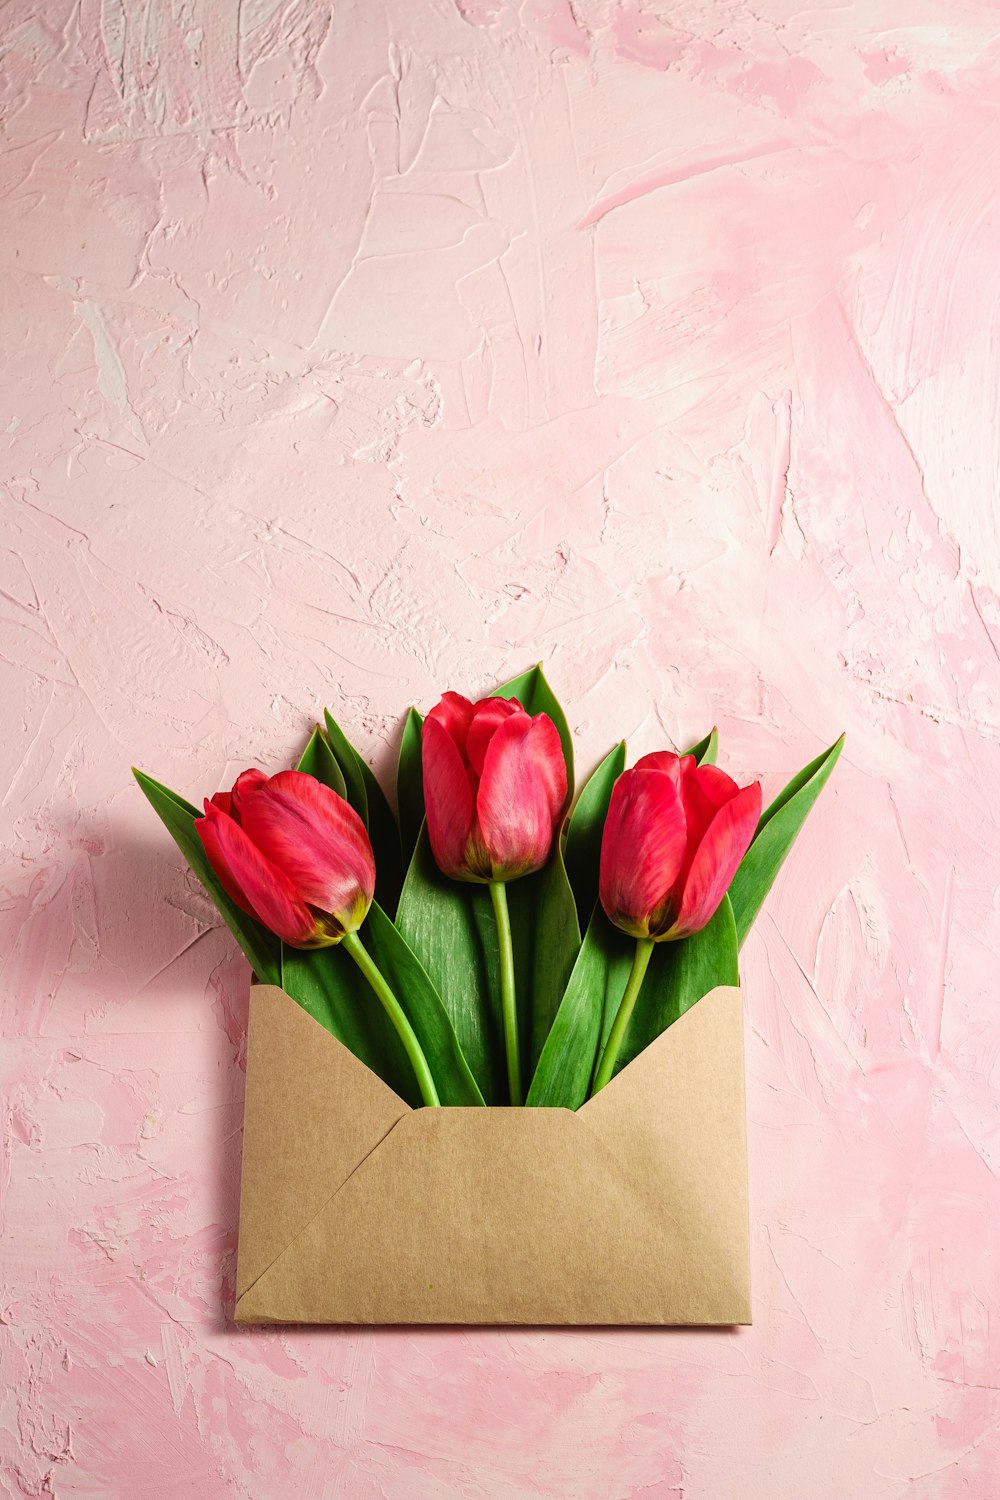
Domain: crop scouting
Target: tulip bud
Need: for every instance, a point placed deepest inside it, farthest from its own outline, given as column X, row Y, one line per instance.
column 494, row 787
column 673, row 839
column 293, row 854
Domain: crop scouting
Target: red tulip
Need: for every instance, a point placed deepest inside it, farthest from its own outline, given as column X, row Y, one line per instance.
column 674, row 836
column 293, row 854
column 494, row 787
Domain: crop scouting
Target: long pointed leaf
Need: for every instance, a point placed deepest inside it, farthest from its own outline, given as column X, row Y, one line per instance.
column 424, row 1009
column 410, row 785
column 678, row 975
column 595, row 988
column 383, row 830
column 348, row 760
column 327, row 983
column 449, row 926
column 705, row 751
column 319, row 760
column 148, row 785
column 586, row 826
column 368, row 799
column 776, row 832
column 178, row 816
column 546, row 937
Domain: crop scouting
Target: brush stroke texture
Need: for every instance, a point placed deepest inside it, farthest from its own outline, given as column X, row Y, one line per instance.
column 356, row 351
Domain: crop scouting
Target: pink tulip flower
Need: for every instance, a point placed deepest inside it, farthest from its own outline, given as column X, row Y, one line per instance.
column 293, row 854
column 494, row 787
column 673, row 839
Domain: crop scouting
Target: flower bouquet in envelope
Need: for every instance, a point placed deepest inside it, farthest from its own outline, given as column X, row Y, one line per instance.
column 495, row 1058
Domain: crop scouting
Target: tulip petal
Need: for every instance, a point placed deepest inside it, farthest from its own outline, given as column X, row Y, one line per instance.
column 487, row 716
column 521, row 794
column 447, row 796
column 661, row 760
column 224, row 802
column 704, row 790
column 250, row 880
column 216, row 814
column 454, row 714
column 245, row 783
column 550, row 760
column 716, row 860
column 642, row 850
column 316, row 838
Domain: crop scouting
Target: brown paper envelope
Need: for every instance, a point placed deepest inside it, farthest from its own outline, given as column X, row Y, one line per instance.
column 356, row 1208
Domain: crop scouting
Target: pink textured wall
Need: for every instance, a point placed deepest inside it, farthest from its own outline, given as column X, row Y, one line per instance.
column 352, row 355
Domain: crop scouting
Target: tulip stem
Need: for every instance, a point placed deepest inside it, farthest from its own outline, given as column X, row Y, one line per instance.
column 396, row 1014
column 508, row 994
column 640, row 963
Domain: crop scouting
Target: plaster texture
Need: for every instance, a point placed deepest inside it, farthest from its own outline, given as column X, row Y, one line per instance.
column 354, row 353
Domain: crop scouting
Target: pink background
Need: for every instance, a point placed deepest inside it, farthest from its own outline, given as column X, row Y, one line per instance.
column 352, row 357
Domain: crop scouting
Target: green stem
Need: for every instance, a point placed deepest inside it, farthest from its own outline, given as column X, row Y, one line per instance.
column 640, row 963
column 508, row 996
column 396, row 1014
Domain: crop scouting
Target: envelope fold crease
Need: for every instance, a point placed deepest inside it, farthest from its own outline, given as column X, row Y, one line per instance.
column 245, row 1292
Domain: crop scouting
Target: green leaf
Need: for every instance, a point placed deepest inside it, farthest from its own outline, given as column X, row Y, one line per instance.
column 679, row 973
column 383, row 831
column 535, row 696
column 546, row 937
column 410, row 785
column 260, row 946
column 368, row 800
column 319, row 760
column 327, row 983
column 420, row 1000
column 163, row 793
column 586, row 825
column 776, row 832
column 706, row 751
column 449, row 926
column 595, row 988
column 349, row 762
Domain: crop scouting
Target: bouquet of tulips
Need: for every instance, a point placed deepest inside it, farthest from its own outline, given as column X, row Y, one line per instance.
column 503, row 941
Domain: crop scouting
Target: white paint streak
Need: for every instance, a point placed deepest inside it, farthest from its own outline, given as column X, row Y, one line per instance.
column 110, row 370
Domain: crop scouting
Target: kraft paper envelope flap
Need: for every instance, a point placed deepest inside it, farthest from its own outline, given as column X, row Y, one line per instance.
column 357, row 1209
column 312, row 1112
